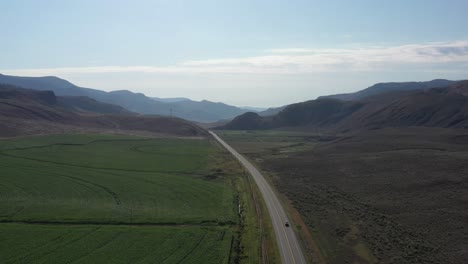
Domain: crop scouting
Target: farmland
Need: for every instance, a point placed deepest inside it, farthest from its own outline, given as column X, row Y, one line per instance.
column 88, row 198
column 113, row 244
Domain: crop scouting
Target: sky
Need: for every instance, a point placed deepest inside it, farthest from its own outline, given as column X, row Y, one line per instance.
column 241, row 52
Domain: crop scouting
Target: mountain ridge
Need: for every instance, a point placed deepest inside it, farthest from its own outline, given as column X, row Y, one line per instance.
column 379, row 88
column 134, row 102
column 435, row 107
column 32, row 112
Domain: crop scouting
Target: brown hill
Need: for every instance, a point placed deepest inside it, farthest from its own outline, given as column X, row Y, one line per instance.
column 85, row 104
column 381, row 88
column 436, row 107
column 80, row 104
column 203, row 111
column 247, row 121
column 28, row 112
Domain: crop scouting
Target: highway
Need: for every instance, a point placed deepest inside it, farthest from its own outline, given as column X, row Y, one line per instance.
column 288, row 245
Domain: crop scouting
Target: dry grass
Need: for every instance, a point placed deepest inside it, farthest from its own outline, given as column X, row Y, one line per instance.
column 386, row 196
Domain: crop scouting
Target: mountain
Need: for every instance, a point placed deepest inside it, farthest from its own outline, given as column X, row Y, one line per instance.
column 11, row 92
column 170, row 100
column 80, row 104
column 321, row 112
column 380, row 88
column 249, row 121
column 31, row 112
column 436, row 107
column 59, row 86
column 253, row 109
column 272, row 111
column 85, row 104
column 203, row 111
column 136, row 102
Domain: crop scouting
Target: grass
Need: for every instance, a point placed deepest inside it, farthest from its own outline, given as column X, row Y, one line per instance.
column 113, row 181
column 120, row 199
column 381, row 196
column 22, row 243
column 262, row 147
column 262, row 143
column 248, row 234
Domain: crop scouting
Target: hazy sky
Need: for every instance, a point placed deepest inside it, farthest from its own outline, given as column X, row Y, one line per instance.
column 257, row 53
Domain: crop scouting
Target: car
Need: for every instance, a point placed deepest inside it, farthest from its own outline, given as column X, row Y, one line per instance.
column 286, row 224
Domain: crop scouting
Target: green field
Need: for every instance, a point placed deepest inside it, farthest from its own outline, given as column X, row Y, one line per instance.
column 88, row 198
column 113, row 244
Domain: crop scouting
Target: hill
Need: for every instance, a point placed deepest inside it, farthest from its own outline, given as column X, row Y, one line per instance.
column 380, row 88
column 254, row 109
column 203, row 111
column 437, row 107
column 28, row 112
column 85, row 104
column 272, row 111
column 80, row 104
column 248, row 121
column 170, row 100
column 319, row 113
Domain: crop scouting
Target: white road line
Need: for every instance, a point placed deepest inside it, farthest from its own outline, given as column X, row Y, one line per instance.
column 286, row 238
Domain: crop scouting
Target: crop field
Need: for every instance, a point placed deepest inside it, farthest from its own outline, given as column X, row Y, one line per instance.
column 118, row 199
column 22, row 243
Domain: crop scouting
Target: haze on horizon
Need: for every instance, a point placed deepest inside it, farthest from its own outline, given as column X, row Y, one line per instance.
column 245, row 53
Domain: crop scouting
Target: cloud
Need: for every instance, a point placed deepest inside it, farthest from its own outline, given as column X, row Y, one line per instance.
column 365, row 58
column 289, row 50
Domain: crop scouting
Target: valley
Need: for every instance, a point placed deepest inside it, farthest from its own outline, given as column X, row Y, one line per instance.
column 361, row 180
column 234, row 132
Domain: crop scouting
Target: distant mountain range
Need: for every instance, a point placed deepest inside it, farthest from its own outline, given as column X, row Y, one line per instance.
column 400, row 105
column 272, row 111
column 78, row 104
column 170, row 100
column 203, row 111
column 255, row 109
column 84, row 104
column 31, row 112
column 433, row 103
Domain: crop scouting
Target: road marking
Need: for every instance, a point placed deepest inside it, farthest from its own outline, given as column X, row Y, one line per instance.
column 286, row 235
column 273, row 201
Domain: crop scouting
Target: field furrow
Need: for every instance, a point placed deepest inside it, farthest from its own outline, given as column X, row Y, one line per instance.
column 101, row 199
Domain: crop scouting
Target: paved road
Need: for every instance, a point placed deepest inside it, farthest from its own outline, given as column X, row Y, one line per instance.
column 288, row 244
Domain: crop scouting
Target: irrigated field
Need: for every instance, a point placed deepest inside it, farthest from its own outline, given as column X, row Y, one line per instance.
column 95, row 199
column 23, row 243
